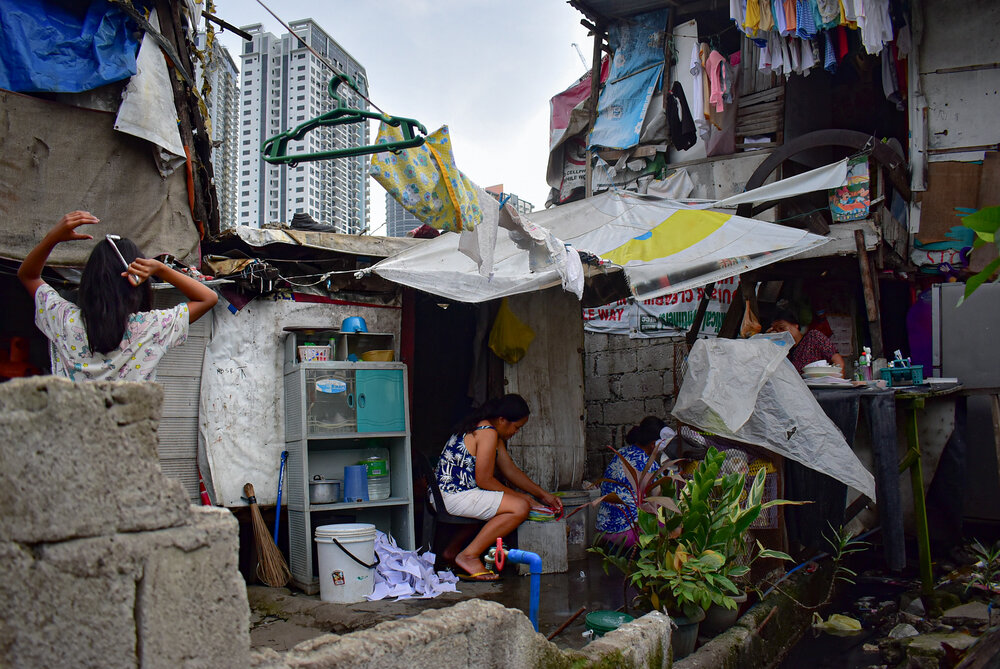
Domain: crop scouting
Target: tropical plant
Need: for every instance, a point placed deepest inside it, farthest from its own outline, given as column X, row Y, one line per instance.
column 688, row 548
column 984, row 222
column 986, row 571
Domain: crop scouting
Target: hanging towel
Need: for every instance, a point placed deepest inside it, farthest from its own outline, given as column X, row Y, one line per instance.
column 715, row 83
column 682, row 130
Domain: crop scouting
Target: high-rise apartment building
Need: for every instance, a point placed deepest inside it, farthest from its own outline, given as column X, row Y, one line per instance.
column 398, row 221
column 519, row 205
column 283, row 85
column 222, row 101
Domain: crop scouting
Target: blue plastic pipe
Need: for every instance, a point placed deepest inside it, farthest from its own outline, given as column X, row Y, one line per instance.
column 534, row 562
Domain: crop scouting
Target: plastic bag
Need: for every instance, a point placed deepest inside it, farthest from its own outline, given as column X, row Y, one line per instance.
column 750, row 325
column 746, row 390
column 837, row 624
column 510, row 336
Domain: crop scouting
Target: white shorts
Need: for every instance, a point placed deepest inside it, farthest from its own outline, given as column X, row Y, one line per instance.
column 473, row 503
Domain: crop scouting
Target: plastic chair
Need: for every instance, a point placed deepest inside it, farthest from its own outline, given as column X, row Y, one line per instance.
column 436, row 513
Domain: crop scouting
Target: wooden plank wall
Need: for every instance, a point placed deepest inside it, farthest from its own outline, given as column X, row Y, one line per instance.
column 550, row 447
column 761, row 101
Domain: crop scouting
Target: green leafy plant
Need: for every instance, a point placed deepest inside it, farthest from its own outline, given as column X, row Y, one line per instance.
column 842, row 544
column 984, row 222
column 689, row 545
column 716, row 515
column 986, row 571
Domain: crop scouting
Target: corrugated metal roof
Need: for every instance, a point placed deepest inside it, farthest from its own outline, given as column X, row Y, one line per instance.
column 603, row 11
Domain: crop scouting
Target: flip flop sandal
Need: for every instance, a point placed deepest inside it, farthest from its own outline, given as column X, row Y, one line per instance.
column 478, row 577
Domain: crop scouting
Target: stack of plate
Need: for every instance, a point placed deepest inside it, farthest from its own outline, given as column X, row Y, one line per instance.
column 821, row 372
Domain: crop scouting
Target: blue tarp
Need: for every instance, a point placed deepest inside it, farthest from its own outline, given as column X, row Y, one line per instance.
column 636, row 70
column 48, row 46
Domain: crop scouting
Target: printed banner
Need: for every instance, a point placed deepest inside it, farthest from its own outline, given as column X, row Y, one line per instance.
column 665, row 316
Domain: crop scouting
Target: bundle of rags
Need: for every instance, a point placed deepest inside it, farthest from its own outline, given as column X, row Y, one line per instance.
column 271, row 566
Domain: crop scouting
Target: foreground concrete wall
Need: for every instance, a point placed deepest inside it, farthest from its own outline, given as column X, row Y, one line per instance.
column 105, row 563
column 474, row 633
column 624, row 380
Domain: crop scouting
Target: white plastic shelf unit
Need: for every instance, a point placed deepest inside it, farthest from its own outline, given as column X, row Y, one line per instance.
column 336, row 414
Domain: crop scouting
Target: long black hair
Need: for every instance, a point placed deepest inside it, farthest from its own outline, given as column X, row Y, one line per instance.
column 648, row 430
column 511, row 407
column 106, row 298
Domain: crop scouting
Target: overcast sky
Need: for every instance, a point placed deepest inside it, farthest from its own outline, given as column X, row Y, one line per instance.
column 484, row 68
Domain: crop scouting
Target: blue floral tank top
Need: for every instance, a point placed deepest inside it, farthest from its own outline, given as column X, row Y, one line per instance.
column 456, row 468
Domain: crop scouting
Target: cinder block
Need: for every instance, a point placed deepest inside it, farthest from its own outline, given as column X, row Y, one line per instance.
column 193, row 609
column 80, row 460
column 595, row 412
column 548, row 540
column 596, row 388
column 626, row 413
column 56, row 618
column 594, row 341
column 621, row 362
column 641, row 385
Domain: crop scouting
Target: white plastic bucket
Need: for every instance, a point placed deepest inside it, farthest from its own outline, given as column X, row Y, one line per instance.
column 342, row 578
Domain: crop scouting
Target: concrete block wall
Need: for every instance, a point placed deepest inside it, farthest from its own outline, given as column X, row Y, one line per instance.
column 474, row 633
column 624, row 380
column 106, row 563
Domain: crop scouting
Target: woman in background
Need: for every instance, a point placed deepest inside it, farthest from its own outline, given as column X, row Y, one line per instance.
column 112, row 334
column 617, row 521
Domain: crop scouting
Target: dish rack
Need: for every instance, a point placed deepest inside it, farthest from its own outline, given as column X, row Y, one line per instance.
column 903, row 376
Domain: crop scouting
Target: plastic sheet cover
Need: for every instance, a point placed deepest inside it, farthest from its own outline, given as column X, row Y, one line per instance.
column 746, row 390
column 48, row 47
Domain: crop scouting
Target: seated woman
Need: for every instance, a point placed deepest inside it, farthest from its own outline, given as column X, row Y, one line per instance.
column 809, row 347
column 617, row 521
column 466, row 476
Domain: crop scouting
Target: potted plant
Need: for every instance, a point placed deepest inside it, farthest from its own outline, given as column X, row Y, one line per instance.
column 717, row 513
column 691, row 539
column 669, row 572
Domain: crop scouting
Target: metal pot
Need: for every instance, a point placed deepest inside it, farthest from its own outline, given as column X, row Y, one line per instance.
column 324, row 491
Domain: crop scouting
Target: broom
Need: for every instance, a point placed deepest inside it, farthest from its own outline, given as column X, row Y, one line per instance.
column 271, row 566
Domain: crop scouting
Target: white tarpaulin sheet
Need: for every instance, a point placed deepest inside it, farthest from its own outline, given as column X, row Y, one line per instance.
column 746, row 390
column 147, row 109
column 664, row 247
column 241, row 429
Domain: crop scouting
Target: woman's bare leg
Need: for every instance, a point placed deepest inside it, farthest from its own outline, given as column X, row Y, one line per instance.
column 512, row 512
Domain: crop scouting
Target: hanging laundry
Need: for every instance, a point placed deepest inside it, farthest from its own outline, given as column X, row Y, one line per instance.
column 807, row 56
column 805, row 22
column 726, row 79
column 697, row 93
column 751, row 22
column 828, row 12
column 890, row 82
column 706, row 87
column 778, row 10
column 715, row 59
column 682, row 129
column 737, row 12
column 876, row 28
column 766, row 17
column 829, row 55
column 426, row 181
column 790, row 25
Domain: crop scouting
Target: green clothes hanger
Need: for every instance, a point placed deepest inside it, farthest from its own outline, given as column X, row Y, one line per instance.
column 274, row 149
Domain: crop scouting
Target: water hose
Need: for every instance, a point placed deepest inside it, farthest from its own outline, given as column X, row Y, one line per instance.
column 535, row 563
